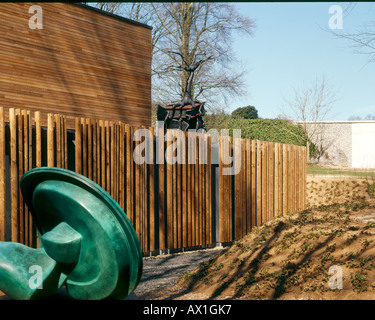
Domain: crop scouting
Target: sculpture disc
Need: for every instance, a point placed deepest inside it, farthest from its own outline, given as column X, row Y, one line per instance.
column 109, row 255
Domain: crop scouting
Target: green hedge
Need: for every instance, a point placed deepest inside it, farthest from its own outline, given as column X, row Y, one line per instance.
column 273, row 130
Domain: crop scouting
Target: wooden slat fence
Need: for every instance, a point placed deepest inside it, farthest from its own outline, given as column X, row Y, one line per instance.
column 170, row 197
column 271, row 183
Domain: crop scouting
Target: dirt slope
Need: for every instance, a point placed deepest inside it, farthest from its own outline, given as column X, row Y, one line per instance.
column 295, row 257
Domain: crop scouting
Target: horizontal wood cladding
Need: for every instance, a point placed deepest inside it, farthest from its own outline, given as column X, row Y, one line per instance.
column 82, row 63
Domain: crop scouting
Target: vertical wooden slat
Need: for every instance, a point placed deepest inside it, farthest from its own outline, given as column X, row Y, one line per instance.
column 192, row 186
column 58, row 143
column 25, row 169
column 229, row 191
column 161, row 187
column 208, row 193
column 243, row 173
column 137, row 204
column 184, row 201
column 277, row 186
column 176, row 189
column 248, row 185
column 144, row 199
column 189, row 188
column 226, row 217
column 169, row 155
column 102, row 155
column 93, row 125
column 117, row 163
column 294, row 185
column 298, row 185
column 30, row 127
column 31, row 227
column 281, row 180
column 89, row 149
column 84, row 147
column 285, row 179
column 259, row 183
column 264, row 182
column 179, row 189
column 271, row 189
column 304, row 177
column 290, row 179
column 132, row 174
column 127, row 169
column 121, row 185
column 151, row 191
column 65, row 135
column 2, row 177
column 98, row 153
column 38, row 140
column 201, row 188
column 196, row 192
column 199, row 216
column 78, row 164
column 112, row 161
column 253, row 182
column 13, row 176
column 238, row 190
column 107, row 156
column 225, row 189
column 50, row 141
column 20, row 172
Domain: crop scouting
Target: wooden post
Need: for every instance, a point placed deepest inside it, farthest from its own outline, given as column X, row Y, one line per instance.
column 259, row 184
column 285, row 179
column 248, row 185
column 78, row 144
column 2, row 177
column 93, row 124
column 208, row 193
column 57, row 121
column 169, row 191
column 20, row 172
column 151, row 191
column 184, row 190
column 107, row 157
column 189, row 189
column 253, row 182
column 89, row 149
column 13, row 175
column 277, row 186
column 161, row 165
column 50, row 141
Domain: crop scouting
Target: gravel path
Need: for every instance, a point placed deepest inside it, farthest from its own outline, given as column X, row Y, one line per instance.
column 161, row 272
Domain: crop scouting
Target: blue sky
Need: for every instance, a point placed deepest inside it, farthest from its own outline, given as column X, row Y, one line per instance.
column 290, row 50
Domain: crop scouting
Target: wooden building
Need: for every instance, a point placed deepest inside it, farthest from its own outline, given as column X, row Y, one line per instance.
column 81, row 62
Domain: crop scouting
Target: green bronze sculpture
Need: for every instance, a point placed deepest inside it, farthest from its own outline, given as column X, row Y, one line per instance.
column 88, row 243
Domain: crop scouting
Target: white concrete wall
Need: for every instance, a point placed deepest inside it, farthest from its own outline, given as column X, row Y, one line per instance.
column 363, row 145
column 349, row 143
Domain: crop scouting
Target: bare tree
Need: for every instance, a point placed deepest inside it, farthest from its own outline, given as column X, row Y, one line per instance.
column 111, row 7
column 202, row 29
column 309, row 106
column 362, row 40
column 196, row 30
